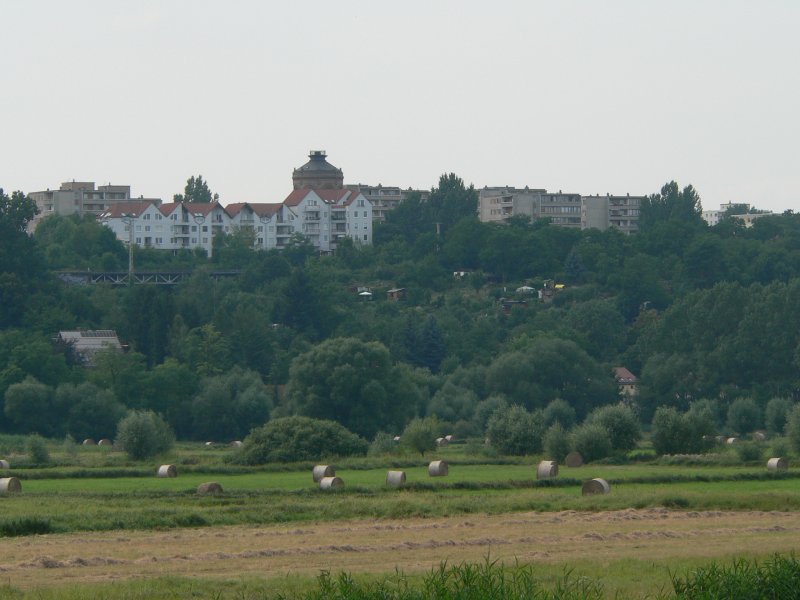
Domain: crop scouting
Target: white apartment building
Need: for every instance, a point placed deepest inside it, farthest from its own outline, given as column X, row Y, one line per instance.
column 323, row 217
column 384, row 198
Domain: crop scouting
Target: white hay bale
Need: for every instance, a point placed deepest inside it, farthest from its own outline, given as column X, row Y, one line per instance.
column 573, row 460
column 331, row 483
column 759, row 436
column 209, row 488
column 777, row 464
column 595, row 486
column 209, row 444
column 236, row 444
column 438, row 468
column 395, row 478
column 449, row 438
column 105, row 442
column 731, row 441
column 441, row 442
column 4, row 464
column 547, row 469
column 88, row 442
column 396, row 438
column 167, row 471
column 10, row 485
column 322, row 471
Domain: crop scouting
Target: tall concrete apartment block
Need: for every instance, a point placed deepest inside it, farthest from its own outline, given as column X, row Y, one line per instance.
column 498, row 204
column 81, row 198
column 385, row 199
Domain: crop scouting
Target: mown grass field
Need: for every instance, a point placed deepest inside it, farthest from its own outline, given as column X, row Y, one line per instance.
column 95, row 491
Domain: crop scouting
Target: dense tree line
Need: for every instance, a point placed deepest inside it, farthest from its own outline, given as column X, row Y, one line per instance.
column 700, row 313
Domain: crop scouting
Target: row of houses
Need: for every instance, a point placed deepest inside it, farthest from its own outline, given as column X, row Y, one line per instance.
column 324, row 217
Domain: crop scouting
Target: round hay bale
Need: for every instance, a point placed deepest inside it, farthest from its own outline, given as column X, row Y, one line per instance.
column 573, row 460
column 759, row 436
column 437, row 468
column 236, row 444
column 547, row 469
column 396, row 438
column 595, row 486
column 208, row 444
column 331, row 483
column 322, row 471
column 167, row 471
column 449, row 438
column 441, row 442
column 4, row 464
column 777, row 464
column 395, row 478
column 88, row 442
column 10, row 485
column 105, row 442
column 209, row 488
column 732, row 441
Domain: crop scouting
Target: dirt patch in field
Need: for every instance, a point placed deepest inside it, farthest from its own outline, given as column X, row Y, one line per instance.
column 567, row 537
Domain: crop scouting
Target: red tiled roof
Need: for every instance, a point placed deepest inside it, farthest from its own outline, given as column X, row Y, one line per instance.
column 296, row 197
column 202, row 208
column 265, row 209
column 120, row 209
column 235, row 208
column 622, row 375
column 168, row 209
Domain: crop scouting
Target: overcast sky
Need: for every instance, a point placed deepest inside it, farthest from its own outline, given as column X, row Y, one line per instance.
column 587, row 97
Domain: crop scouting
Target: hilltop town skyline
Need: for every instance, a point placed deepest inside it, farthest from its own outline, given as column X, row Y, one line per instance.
column 576, row 97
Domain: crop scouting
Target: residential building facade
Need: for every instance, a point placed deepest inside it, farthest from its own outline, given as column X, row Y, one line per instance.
column 385, row 199
column 81, row 198
column 498, row 204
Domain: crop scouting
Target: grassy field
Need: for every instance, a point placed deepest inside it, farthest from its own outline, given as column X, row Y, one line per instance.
column 91, row 491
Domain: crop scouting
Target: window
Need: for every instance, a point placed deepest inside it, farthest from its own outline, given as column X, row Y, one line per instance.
column 365, row 213
column 194, row 240
column 174, row 217
column 159, row 240
column 205, row 228
column 365, row 225
column 146, row 217
column 194, row 228
column 361, row 202
column 138, row 240
column 138, row 228
column 147, row 227
column 158, row 217
column 205, row 240
column 365, row 237
column 260, row 228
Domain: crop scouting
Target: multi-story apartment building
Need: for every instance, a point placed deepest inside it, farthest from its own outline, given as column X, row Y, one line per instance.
column 385, row 199
column 79, row 197
column 323, row 215
column 498, row 204
column 713, row 217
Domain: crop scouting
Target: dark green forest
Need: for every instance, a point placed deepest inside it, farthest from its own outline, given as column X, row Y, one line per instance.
column 698, row 313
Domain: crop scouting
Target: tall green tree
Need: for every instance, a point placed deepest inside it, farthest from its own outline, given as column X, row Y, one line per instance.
column 354, row 383
column 196, row 190
column 671, row 203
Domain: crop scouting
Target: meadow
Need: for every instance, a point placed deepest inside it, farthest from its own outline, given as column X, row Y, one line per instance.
column 97, row 492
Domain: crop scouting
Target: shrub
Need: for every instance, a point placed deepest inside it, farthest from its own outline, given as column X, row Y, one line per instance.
column 143, row 434
column 620, row 422
column 743, row 416
column 779, row 447
column 793, row 429
column 559, row 411
column 749, row 452
column 676, row 433
column 516, row 431
column 299, row 438
column 37, row 450
column 556, row 442
column 485, row 409
column 776, row 413
column 382, row 444
column 420, row 434
column 592, row 441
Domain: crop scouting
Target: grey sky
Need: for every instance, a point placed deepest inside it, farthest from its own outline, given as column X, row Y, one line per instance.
column 588, row 97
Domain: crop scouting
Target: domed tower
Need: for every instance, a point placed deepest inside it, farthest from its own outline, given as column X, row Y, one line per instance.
column 318, row 173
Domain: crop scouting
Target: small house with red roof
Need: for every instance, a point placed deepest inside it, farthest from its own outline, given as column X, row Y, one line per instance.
column 627, row 382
